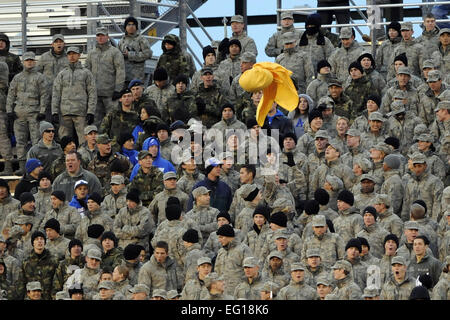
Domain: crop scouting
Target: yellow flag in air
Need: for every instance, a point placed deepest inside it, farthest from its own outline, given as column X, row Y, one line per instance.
column 275, row 82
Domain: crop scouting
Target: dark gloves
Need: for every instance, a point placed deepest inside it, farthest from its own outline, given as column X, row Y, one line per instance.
column 11, row 116
column 290, row 161
column 55, row 119
column 116, row 95
column 90, row 118
column 40, row 117
column 201, row 106
column 223, row 46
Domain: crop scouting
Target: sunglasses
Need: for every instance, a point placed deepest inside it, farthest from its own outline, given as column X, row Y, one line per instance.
column 49, row 131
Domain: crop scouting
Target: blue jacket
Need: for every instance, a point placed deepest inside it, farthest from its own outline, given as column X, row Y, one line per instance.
column 221, row 195
column 279, row 121
column 136, row 132
column 132, row 155
column 159, row 162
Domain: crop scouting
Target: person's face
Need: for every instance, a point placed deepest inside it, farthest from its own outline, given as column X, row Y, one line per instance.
column 81, row 191
column 29, row 206
column 72, row 163
column 251, row 272
column 106, row 293
column 318, row 231
column 366, row 63
column 411, row 234
column 254, row 131
column 380, row 207
column 137, row 92
column 204, row 269
column 371, row 106
column 287, row 22
column 163, row 135
column 102, row 38
column 116, row 188
column 237, row 27
column 352, row 141
column 160, row 83
column 323, row 290
column 367, row 186
column 316, row 123
column 327, row 113
column 313, row 262
column 325, row 70
column 442, row 114
column 403, row 79
column 77, row 296
column 222, row 221
column 39, row 243
column 302, row 104
column 116, row 276
column 289, row 143
column 355, row 73
column 56, row 203
column 126, row 99
column 91, row 137
column 445, row 39
column 281, row 244
column 289, row 45
column 419, row 247
column 92, row 205
column 146, row 162
column 160, row 255
column 73, row 57
column 256, row 97
column 375, row 125
column 234, row 49
column 227, row 113
column 2, row 44
column 320, row 143
column 75, row 251
column 275, row 263
column 203, row 199
column 48, row 134
column 407, row 34
column 435, row 85
column 106, row 277
column 265, row 295
column 331, row 153
column 142, row 256
column 342, row 205
column 352, row 253
column 364, row 250
column 298, row 275
column 139, row 296
column 170, row 184
column 423, row 145
column 390, row 247
column 28, row 64
column 107, row 244
column 346, row 42
column 51, row 234
column 425, row 72
column 246, row 66
column 104, row 148
column 45, row 183
column 35, row 172
column 339, row 274
column 3, row 192
column 419, row 168
column 180, row 87
column 244, row 176
column 398, row 64
column 369, row 219
column 398, row 270
column 225, row 240
column 210, row 59
column 393, row 33
column 335, row 91
column 70, row 146
column 168, row 46
column 215, row 172
column 34, row 294
column 131, row 28
column 259, row 219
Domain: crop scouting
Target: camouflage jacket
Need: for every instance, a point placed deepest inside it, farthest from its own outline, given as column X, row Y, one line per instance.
column 192, row 289
column 331, row 246
column 64, row 270
column 37, row 219
column 187, row 180
column 97, row 217
column 247, row 43
column 346, row 289
column 317, row 52
column 318, row 87
column 415, row 52
column 427, row 104
column 160, row 275
column 214, row 99
column 441, row 289
column 341, row 58
column 205, row 218
column 68, row 218
column 348, row 224
column 403, row 130
column 221, row 78
column 112, row 203
column 74, row 91
column 294, row 244
column 275, row 46
column 149, row 184
column 441, row 59
column 391, row 222
column 358, row 90
column 89, row 278
column 375, row 235
column 392, row 290
column 175, row 61
column 249, row 291
column 255, row 238
column 393, row 187
column 58, row 247
column 117, row 122
column 7, row 205
column 28, row 93
column 294, row 59
column 112, row 258
column 138, row 51
column 180, row 106
column 133, row 226
column 297, row 291
column 212, row 245
column 108, row 68
column 384, row 57
column 160, row 96
column 50, row 64
column 229, row 68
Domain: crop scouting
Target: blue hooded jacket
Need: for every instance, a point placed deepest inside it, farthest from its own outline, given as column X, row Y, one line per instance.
column 159, row 162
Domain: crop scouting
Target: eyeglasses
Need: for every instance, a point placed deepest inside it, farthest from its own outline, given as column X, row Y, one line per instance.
column 49, row 131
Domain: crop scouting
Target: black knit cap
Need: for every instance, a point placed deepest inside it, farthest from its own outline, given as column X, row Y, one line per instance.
column 124, row 137
column 251, row 123
column 44, row 174
column 208, row 49
column 38, row 234
column 131, row 251
column 371, row 210
column 422, row 203
column 66, row 140
column 225, row 215
column 346, row 196
column 94, row 196
column 279, row 218
column 391, row 237
column 160, row 74
column 5, row 184
column 173, row 212
column 313, row 19
column 402, row 57
column 75, row 242
column 263, row 210
column 314, row 113
column 163, row 126
column 173, row 200
column 367, row 55
column 394, row 25
column 227, row 105
column 95, row 231
column 130, row 19
column 375, row 98
column 364, row 242
column 357, row 65
column 53, row 224
column 292, row 135
column 393, row 141
column 321, row 64
column 133, row 195
column 191, row 236
column 226, row 230
column 354, row 243
column 26, row 197
column 111, row 236
column 322, row 196
column 236, row 42
column 312, row 207
column 419, row 293
column 182, row 78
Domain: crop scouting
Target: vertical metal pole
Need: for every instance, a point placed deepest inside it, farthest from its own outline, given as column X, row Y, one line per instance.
column 24, row 26
column 135, row 11
column 91, row 25
column 279, row 5
column 182, row 24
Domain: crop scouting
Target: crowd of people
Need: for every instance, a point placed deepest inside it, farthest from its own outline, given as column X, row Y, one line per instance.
column 175, row 191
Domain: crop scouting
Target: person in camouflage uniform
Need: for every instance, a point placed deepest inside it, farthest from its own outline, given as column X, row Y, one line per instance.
column 11, row 59
column 116, row 199
column 74, row 97
column 294, row 59
column 190, row 173
column 26, row 104
column 275, row 45
column 56, row 242
column 39, row 265
column 368, row 63
column 148, row 180
column 237, row 26
column 27, row 207
column 343, row 105
column 195, row 286
column 174, row 60
column 440, row 56
column 392, row 185
column 5, row 124
column 376, row 132
column 429, row 38
column 373, row 232
column 384, row 55
column 160, row 91
column 429, row 100
column 7, row 202
column 341, row 58
column 319, row 86
column 112, row 253
column 350, row 221
column 251, row 285
column 400, row 283
column 346, row 288
column 238, row 96
column 107, row 65
column 441, row 289
column 230, row 68
column 435, row 164
column 135, row 49
column 181, row 104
